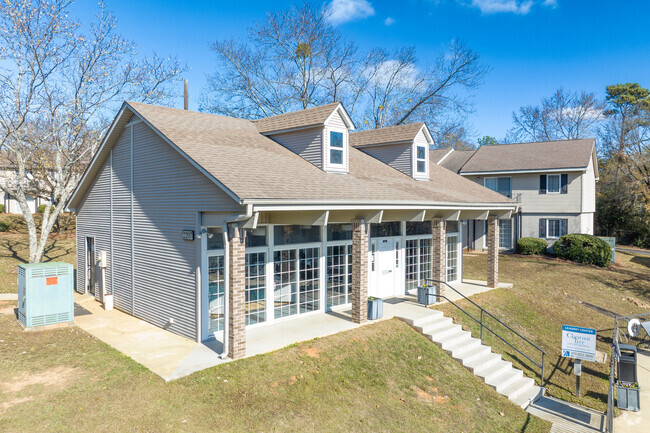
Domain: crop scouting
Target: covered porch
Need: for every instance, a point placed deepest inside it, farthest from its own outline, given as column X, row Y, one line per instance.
column 273, row 266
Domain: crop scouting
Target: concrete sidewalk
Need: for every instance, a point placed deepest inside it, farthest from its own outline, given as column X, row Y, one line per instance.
column 635, row 422
column 172, row 356
column 567, row 417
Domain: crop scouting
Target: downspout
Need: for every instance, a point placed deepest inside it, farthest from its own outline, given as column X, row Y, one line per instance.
column 226, row 285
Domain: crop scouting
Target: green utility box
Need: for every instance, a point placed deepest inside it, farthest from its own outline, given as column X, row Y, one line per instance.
column 45, row 294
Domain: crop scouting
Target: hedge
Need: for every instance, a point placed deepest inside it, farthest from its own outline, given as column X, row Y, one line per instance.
column 531, row 246
column 583, row 248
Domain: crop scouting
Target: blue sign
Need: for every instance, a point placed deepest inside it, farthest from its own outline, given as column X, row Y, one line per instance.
column 578, row 343
column 612, row 244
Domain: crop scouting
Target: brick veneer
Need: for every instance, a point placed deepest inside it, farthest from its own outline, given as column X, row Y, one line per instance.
column 439, row 253
column 237, row 287
column 493, row 252
column 359, row 288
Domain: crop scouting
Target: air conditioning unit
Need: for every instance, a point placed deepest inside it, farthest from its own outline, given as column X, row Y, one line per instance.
column 45, row 294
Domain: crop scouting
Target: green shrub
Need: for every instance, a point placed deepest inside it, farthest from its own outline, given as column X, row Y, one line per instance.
column 531, row 246
column 2, row 208
column 4, row 226
column 583, row 248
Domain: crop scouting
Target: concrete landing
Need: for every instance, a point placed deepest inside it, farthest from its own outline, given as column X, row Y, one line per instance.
column 568, row 417
column 635, row 422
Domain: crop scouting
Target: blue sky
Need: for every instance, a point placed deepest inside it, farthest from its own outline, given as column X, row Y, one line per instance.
column 532, row 46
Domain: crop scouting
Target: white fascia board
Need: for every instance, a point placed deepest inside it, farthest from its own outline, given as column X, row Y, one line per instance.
column 344, row 114
column 446, row 155
column 545, row 170
column 427, row 133
column 97, row 153
column 267, row 206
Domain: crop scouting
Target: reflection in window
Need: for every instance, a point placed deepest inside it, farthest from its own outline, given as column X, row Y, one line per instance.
column 392, row 228
column 336, row 147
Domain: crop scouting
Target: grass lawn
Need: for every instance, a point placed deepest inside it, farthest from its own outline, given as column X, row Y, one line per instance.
column 380, row 377
column 14, row 249
column 549, row 293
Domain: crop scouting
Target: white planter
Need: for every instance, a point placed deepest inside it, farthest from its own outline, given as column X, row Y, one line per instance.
column 108, row 302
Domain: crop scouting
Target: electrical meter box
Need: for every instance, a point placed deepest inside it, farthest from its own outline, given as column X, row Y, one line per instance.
column 45, row 294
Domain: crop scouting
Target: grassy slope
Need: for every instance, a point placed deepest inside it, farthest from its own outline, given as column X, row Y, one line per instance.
column 545, row 296
column 381, row 377
column 14, row 249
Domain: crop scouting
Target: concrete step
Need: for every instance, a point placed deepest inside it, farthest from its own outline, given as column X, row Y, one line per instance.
column 430, row 316
column 493, row 370
column 501, row 381
column 518, row 387
column 453, row 341
column 528, row 397
column 442, row 334
column 459, row 351
column 477, row 356
column 432, row 326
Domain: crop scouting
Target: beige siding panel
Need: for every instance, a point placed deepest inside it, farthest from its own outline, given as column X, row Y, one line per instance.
column 336, row 121
column 93, row 219
column 397, row 156
column 307, row 143
column 533, row 202
column 121, row 263
column 530, row 224
column 168, row 194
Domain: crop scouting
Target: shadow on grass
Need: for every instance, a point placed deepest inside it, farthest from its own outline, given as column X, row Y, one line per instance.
column 11, row 246
column 54, row 245
column 643, row 261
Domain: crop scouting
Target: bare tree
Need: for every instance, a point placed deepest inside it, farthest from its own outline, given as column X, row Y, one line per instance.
column 296, row 59
column 564, row 116
column 59, row 84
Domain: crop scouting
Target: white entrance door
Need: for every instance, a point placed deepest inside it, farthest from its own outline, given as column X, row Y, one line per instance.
column 383, row 268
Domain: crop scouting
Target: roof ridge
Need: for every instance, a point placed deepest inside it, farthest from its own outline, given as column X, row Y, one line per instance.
column 538, row 142
column 295, row 112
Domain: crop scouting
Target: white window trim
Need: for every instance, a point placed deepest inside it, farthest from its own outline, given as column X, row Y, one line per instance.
column 420, row 174
column 548, row 226
column 340, row 168
column 559, row 182
column 499, row 177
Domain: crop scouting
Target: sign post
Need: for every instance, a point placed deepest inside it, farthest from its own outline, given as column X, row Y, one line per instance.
column 580, row 344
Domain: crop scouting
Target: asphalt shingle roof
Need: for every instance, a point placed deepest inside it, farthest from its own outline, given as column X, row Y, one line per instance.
column 392, row 134
column 545, row 155
column 253, row 166
column 457, row 159
column 297, row 119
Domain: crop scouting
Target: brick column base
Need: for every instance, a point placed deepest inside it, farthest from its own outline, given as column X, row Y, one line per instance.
column 359, row 287
column 439, row 254
column 237, row 287
column 493, row 252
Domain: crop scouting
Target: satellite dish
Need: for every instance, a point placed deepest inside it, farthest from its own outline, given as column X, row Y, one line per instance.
column 633, row 327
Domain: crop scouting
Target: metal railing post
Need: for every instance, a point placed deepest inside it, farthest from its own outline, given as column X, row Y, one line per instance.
column 481, row 326
column 542, row 381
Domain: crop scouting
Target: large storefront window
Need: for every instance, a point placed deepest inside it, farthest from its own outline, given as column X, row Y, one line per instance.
column 339, row 274
column 255, row 288
column 418, row 228
column 452, row 257
column 418, row 262
column 339, row 232
column 297, row 281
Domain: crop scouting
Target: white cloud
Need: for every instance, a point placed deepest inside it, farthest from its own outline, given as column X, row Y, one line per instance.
column 550, row 3
column 389, row 21
column 499, row 6
column 343, row 11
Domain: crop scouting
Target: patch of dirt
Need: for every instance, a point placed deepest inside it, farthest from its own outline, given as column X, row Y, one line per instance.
column 428, row 397
column 9, row 310
column 13, row 402
column 637, row 302
column 312, row 352
column 53, row 379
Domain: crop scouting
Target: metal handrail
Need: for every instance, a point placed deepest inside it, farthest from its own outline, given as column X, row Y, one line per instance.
column 480, row 322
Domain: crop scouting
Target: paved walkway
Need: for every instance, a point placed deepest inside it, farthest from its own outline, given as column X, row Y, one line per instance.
column 567, row 417
column 636, row 422
column 633, row 251
column 172, row 356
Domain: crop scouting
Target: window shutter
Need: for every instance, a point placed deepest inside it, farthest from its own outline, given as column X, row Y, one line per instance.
column 564, row 179
column 542, row 228
column 542, row 184
column 564, row 226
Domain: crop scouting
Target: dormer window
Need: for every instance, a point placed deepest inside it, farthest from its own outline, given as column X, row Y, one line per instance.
column 336, row 148
column 421, row 154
